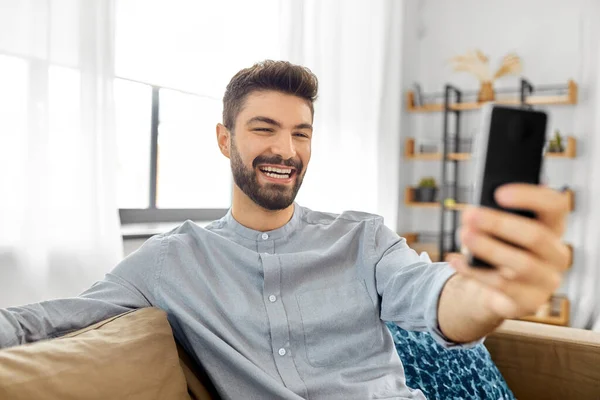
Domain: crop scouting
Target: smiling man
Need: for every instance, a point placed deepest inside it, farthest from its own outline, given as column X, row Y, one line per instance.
column 281, row 302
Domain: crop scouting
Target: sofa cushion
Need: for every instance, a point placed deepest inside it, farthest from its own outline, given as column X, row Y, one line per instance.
column 130, row 356
column 448, row 373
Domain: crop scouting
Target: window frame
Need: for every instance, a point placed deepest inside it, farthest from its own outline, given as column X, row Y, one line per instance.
column 153, row 214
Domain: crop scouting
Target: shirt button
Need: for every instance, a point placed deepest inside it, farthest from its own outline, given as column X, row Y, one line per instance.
column 282, row 351
column 272, row 298
column 265, row 236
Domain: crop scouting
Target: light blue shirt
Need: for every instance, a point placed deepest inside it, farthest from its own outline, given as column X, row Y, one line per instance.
column 293, row 313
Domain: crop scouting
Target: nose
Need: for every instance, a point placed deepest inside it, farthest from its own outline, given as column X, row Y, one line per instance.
column 284, row 146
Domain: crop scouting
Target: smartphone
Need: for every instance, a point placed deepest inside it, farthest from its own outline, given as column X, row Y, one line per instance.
column 509, row 148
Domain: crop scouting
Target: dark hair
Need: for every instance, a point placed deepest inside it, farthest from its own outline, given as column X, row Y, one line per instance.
column 281, row 76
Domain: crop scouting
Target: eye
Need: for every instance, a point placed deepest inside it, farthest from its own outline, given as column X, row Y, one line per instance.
column 262, row 130
column 303, row 135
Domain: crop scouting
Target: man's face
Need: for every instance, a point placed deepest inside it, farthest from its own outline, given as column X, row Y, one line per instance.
column 270, row 148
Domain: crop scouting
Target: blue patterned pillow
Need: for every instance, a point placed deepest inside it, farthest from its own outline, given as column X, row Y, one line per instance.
column 448, row 374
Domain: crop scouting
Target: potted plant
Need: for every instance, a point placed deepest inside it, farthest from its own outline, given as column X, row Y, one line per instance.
column 426, row 191
column 556, row 144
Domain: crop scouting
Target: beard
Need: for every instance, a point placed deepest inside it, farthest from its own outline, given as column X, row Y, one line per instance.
column 271, row 196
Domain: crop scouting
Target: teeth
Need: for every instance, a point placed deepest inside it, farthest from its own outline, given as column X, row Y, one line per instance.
column 279, row 170
column 276, row 176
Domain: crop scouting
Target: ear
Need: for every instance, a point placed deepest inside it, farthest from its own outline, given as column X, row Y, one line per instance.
column 223, row 139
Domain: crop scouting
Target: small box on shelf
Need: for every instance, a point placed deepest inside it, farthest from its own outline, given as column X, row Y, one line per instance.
column 411, row 153
column 430, row 152
column 554, row 312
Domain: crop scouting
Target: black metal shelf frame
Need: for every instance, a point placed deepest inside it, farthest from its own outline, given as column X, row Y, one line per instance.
column 453, row 95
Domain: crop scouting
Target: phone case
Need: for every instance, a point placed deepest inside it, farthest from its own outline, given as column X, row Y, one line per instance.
column 508, row 149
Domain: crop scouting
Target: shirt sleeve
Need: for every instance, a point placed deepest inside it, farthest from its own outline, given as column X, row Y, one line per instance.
column 409, row 286
column 130, row 285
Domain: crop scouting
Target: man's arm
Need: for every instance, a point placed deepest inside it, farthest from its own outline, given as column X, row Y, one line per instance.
column 131, row 285
column 462, row 316
column 409, row 286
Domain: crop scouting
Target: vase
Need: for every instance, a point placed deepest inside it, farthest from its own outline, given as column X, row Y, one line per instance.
column 425, row 194
column 486, row 92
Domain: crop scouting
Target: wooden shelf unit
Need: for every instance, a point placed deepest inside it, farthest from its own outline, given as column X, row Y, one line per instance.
column 409, row 201
column 411, row 154
column 412, row 239
column 569, row 98
column 556, row 311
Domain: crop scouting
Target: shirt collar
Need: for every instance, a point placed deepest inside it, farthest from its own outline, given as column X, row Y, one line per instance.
column 252, row 234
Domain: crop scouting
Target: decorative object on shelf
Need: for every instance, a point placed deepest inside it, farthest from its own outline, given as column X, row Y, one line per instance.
column 477, row 63
column 428, row 146
column 465, row 144
column 556, row 143
column 426, row 191
column 449, row 202
column 566, row 144
column 418, row 98
column 460, row 194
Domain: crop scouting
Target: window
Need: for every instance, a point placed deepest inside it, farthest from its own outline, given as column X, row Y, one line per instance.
column 133, row 112
column 13, row 122
column 174, row 60
column 192, row 172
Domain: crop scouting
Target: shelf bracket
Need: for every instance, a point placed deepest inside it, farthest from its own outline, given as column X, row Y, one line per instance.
column 526, row 90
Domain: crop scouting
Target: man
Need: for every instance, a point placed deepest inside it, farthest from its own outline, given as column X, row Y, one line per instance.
column 281, row 302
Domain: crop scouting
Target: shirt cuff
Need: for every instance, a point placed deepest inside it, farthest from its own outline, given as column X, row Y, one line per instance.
column 431, row 313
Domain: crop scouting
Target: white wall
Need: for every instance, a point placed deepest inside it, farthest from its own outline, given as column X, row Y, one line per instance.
column 554, row 40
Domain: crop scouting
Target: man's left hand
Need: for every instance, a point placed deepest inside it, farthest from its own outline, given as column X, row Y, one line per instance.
column 528, row 254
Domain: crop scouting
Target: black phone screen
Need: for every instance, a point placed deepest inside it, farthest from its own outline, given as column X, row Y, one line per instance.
column 514, row 154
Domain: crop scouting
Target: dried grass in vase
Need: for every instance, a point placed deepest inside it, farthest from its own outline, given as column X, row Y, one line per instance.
column 476, row 63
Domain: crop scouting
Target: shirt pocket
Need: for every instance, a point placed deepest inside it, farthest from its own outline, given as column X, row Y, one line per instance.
column 340, row 323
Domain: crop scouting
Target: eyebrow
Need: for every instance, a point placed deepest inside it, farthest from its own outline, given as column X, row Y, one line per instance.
column 271, row 121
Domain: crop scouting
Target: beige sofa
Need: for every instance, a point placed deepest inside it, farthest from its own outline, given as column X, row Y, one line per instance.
column 134, row 356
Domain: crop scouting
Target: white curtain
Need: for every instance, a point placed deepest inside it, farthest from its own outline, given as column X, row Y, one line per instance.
column 59, row 225
column 583, row 280
column 354, row 48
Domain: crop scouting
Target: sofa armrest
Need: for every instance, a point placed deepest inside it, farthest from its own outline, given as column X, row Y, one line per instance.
column 542, row 361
